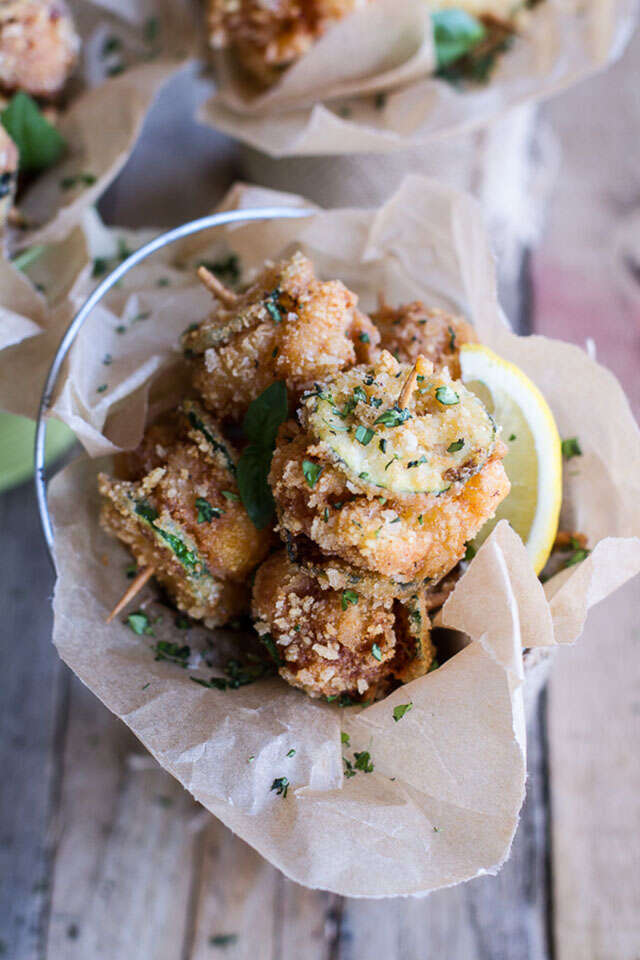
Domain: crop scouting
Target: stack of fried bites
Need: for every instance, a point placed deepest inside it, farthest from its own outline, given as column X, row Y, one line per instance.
column 327, row 473
column 38, row 51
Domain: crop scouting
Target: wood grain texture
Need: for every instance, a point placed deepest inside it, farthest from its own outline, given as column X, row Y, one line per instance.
column 586, row 280
column 32, row 708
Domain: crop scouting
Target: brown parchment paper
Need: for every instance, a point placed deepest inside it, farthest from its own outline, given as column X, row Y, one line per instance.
column 103, row 111
column 326, row 104
column 100, row 118
column 442, row 802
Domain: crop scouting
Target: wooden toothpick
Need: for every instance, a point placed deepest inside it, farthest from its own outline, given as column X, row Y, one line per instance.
column 135, row 588
column 218, row 289
column 421, row 368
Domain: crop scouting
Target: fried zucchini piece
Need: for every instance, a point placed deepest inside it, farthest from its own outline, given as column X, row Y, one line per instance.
column 286, row 326
column 337, row 643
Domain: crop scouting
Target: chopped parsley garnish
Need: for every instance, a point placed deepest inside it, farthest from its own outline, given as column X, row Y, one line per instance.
column 140, row 623
column 452, row 338
column 107, row 360
column 325, row 515
column 470, row 552
column 272, row 305
column 382, row 445
column 237, row 675
column 291, row 753
column 151, row 30
column 206, row 513
column 270, row 644
column 345, row 738
column 311, row 472
column 80, row 179
column 224, row 939
column 446, row 396
column 393, row 417
column 455, row 446
column 577, row 557
column 376, row 653
column 101, row 388
column 349, row 597
column 420, row 519
column 131, row 571
column 417, row 463
column 112, row 44
column 99, row 268
column 261, row 424
column 281, row 786
column 363, row 761
column 400, row 710
column 380, row 100
column 512, row 437
column 39, row 144
column 455, row 32
column 172, row 652
column 364, row 435
column 571, row 448
column 364, row 337
column 182, row 622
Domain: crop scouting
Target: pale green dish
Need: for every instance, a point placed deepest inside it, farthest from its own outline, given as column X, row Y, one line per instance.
column 16, row 447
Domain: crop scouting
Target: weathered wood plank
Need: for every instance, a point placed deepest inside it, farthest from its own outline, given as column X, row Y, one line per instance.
column 122, row 875
column 31, row 707
column 487, row 918
column 586, row 285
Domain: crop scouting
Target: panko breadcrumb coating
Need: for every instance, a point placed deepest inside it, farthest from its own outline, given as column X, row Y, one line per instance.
column 399, row 498
column 8, row 168
column 38, row 46
column 338, row 643
column 184, row 516
column 287, row 326
column 268, row 38
column 413, row 329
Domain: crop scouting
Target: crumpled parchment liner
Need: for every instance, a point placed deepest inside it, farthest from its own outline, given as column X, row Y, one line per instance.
column 442, row 803
column 388, row 47
column 103, row 115
column 101, row 121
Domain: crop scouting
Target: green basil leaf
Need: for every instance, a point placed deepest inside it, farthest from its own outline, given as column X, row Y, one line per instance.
column 39, row 144
column 265, row 414
column 455, row 32
column 252, row 472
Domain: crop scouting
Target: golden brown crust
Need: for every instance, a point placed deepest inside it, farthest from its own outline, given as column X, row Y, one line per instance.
column 268, row 38
column 287, row 326
column 399, row 536
column 413, row 329
column 193, row 493
column 333, row 643
column 38, row 46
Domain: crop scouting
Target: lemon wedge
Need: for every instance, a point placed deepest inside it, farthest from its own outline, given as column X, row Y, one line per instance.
column 534, row 459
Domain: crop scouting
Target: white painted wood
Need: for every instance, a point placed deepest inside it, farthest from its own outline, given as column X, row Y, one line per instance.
column 586, row 285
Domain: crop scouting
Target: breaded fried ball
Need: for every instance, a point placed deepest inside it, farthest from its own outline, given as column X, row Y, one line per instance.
column 184, row 517
column 38, row 46
column 8, row 171
column 287, row 326
column 338, row 643
column 412, row 329
column 393, row 488
column 268, row 38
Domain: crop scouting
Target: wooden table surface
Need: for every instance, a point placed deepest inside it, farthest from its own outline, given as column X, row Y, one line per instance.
column 103, row 855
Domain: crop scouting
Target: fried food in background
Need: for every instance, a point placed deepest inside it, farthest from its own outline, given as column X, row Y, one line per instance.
column 179, row 511
column 38, row 46
column 412, row 329
column 394, row 490
column 8, row 173
column 268, row 38
column 334, row 643
column 287, row 325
